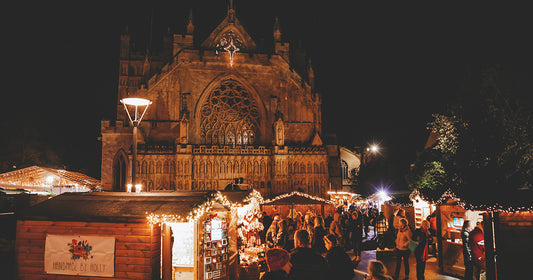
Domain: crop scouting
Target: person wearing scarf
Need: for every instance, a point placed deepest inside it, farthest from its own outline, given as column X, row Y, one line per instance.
column 421, row 236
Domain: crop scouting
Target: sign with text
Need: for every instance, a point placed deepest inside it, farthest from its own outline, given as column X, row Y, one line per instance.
column 80, row 255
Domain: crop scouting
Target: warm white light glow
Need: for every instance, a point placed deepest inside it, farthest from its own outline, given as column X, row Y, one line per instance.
column 129, row 187
column 138, row 188
column 133, row 101
column 374, row 148
column 137, row 108
column 50, row 179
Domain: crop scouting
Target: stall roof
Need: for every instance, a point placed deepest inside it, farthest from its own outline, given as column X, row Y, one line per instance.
column 400, row 199
column 120, row 206
column 296, row 198
column 37, row 178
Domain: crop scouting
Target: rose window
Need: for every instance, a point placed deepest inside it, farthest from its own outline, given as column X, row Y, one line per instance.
column 229, row 116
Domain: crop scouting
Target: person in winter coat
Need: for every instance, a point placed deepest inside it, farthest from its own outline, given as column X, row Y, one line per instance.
column 318, row 235
column 402, row 251
column 283, row 235
column 306, row 263
column 336, row 228
column 356, row 233
column 476, row 240
column 279, row 265
column 421, row 235
column 467, row 252
column 340, row 265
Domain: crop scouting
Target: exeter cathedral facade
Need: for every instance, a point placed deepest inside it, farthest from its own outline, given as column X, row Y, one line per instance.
column 221, row 109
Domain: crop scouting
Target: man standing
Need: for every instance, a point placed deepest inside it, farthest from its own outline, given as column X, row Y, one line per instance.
column 477, row 245
column 307, row 264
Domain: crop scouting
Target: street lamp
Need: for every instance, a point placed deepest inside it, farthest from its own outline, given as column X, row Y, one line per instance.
column 135, row 108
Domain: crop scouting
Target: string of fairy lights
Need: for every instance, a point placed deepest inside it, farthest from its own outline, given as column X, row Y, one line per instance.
column 285, row 195
column 449, row 194
column 197, row 212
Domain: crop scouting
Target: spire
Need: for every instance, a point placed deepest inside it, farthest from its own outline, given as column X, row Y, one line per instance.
column 310, row 74
column 277, row 32
column 190, row 25
column 231, row 11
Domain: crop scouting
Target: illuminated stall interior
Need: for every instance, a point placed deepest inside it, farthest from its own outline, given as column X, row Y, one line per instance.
column 42, row 180
column 297, row 204
column 202, row 240
column 423, row 204
column 451, row 215
column 339, row 198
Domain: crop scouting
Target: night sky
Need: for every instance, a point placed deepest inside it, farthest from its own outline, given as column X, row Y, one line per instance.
column 381, row 69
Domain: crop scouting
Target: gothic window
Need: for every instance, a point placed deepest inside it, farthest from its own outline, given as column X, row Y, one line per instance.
column 344, row 167
column 144, row 168
column 165, row 167
column 229, row 116
column 151, row 167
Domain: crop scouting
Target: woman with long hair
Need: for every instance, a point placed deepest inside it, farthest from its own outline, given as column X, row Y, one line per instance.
column 377, row 271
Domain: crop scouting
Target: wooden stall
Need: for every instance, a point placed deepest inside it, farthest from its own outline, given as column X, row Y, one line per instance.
column 297, row 204
column 451, row 214
column 399, row 200
column 423, row 204
column 88, row 235
column 163, row 235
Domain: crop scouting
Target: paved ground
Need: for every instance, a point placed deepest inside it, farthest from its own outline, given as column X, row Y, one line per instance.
column 431, row 273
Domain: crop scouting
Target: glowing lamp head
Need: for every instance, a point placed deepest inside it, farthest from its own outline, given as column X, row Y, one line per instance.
column 129, row 187
column 374, row 148
column 133, row 101
column 135, row 108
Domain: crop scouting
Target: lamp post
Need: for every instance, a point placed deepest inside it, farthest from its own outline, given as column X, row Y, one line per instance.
column 133, row 107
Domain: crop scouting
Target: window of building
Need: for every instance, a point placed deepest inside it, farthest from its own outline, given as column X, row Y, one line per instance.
column 229, row 116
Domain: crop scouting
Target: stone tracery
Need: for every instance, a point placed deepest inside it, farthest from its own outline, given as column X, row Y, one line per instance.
column 229, row 116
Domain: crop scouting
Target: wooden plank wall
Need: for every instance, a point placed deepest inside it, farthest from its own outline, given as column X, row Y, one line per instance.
column 137, row 248
column 514, row 244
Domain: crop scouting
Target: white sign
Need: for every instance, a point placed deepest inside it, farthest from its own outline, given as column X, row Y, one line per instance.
column 80, row 255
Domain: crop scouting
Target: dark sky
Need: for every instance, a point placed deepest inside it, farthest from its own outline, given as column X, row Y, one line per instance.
column 382, row 69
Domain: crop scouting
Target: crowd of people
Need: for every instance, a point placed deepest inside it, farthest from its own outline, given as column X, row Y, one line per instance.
column 311, row 247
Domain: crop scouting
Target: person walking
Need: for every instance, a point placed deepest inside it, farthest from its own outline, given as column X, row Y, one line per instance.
column 356, row 234
column 318, row 235
column 476, row 240
column 421, row 235
column 467, row 251
column 340, row 267
column 377, row 271
column 279, row 265
column 306, row 263
column 402, row 251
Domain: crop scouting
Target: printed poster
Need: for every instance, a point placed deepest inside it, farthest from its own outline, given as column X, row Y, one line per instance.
column 80, row 255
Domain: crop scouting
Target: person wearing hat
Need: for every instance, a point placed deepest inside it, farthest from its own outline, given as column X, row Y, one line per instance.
column 340, row 265
column 278, row 263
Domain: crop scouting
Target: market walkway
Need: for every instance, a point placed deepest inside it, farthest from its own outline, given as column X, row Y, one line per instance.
column 370, row 253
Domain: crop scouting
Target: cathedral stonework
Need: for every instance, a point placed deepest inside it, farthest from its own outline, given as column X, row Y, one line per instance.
column 220, row 110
